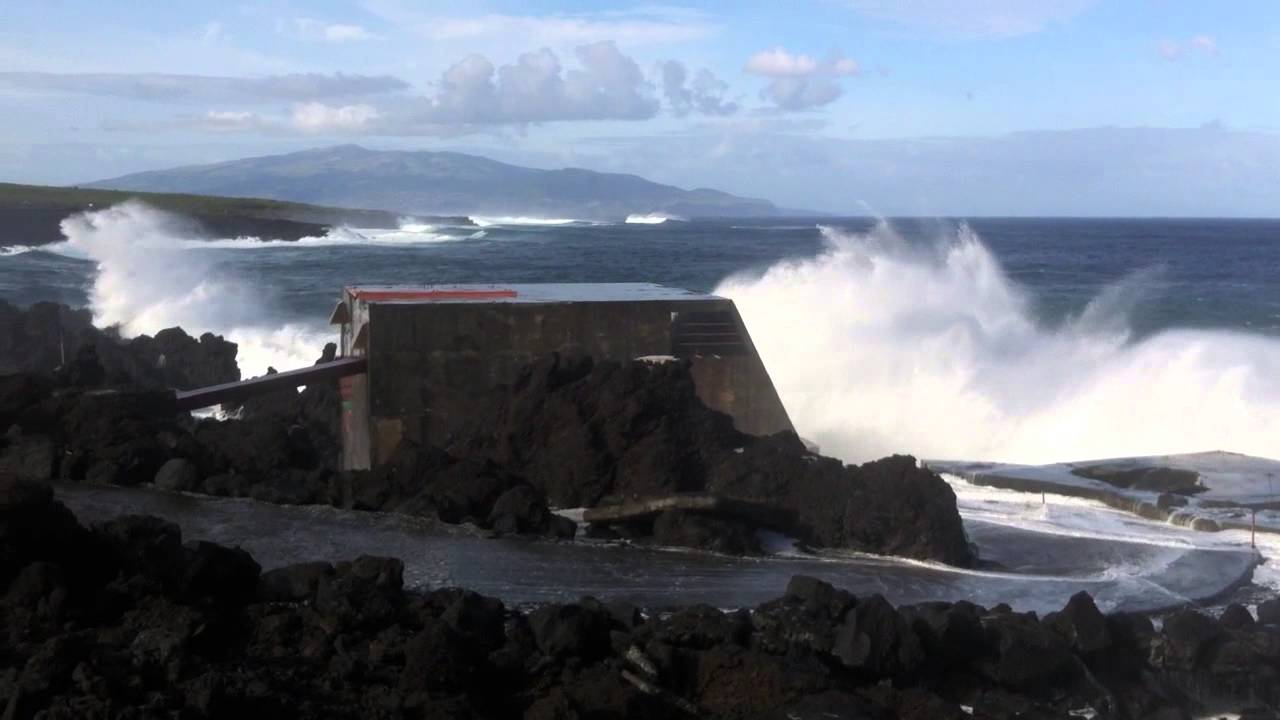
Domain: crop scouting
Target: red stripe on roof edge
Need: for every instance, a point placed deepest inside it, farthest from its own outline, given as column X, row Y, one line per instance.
column 376, row 295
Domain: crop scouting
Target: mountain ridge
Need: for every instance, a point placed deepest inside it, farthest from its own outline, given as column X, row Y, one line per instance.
column 438, row 183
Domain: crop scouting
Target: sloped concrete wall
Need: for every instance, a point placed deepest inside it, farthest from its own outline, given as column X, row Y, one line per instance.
column 431, row 365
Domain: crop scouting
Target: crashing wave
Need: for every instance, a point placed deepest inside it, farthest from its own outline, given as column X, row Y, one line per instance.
column 877, row 346
column 483, row 221
column 146, row 281
column 651, row 219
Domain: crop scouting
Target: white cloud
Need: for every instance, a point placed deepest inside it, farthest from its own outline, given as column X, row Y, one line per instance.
column 973, row 18
column 800, row 82
column 705, row 94
column 162, row 87
column 212, row 32
column 1198, row 44
column 845, row 66
column 778, row 63
column 318, row 117
column 606, row 85
column 642, row 26
column 1204, row 44
column 227, row 121
column 331, row 32
column 343, row 33
column 1170, row 50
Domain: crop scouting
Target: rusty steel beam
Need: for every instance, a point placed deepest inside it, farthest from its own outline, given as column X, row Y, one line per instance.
column 245, row 389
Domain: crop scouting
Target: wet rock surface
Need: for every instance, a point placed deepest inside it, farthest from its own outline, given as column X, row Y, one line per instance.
column 78, row 403
column 570, row 432
column 126, row 620
column 589, row 433
column 53, row 339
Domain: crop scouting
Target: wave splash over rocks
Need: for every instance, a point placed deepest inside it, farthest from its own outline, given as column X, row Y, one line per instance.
column 145, row 282
column 877, row 346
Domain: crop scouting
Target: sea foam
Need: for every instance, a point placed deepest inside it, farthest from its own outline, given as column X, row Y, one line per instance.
column 146, row 281
column 877, row 346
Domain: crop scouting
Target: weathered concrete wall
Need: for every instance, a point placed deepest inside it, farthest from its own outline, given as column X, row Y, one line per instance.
column 431, row 365
column 739, row 386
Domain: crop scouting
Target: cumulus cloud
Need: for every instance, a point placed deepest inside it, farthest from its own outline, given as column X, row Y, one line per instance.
column 221, row 121
column 318, row 117
column 1197, row 45
column 606, row 85
column 778, row 62
column 973, row 18
column 331, row 32
column 704, row 94
column 800, row 82
column 473, row 95
column 162, row 87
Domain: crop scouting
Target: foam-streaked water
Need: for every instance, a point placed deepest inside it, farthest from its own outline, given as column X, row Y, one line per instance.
column 1045, row 567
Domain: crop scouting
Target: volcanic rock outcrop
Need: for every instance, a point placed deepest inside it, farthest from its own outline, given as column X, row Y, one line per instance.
column 106, row 415
column 592, row 433
column 126, row 620
column 570, row 432
column 48, row 336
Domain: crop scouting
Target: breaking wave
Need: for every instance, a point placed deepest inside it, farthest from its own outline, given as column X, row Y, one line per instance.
column 878, row 347
column 651, row 219
column 484, row 222
column 145, row 282
column 404, row 235
column 8, row 250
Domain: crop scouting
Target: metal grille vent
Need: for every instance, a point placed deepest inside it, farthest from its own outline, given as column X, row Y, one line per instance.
column 705, row 332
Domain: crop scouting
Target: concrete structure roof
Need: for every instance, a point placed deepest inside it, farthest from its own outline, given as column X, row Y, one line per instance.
column 523, row 293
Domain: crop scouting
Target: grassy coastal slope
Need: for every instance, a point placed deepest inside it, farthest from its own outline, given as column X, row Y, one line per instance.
column 31, row 214
column 441, row 183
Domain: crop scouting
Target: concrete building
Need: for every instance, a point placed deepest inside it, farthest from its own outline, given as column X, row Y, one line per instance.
column 434, row 353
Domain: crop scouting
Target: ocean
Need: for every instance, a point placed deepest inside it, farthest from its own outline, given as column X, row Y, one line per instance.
column 1018, row 340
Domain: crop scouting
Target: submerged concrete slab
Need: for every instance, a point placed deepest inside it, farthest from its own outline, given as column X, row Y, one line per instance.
column 1203, row 491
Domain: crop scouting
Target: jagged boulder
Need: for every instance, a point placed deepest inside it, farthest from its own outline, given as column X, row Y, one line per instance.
column 178, row 474
column 584, row 431
column 31, row 457
column 183, row 362
column 1081, row 624
column 293, row 583
column 580, row 430
column 1269, row 611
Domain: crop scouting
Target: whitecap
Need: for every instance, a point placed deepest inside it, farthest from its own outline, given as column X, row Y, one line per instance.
column 877, row 346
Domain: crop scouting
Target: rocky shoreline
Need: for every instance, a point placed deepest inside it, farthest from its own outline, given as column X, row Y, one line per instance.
column 569, row 432
column 125, row 620
column 1237, row 494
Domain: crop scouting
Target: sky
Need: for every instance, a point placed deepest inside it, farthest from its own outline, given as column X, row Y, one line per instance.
column 915, row 107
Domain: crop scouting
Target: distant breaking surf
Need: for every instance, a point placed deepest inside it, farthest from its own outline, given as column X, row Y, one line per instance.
column 483, row 221
column 651, row 219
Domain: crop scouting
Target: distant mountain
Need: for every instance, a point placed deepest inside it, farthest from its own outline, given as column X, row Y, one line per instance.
column 451, row 183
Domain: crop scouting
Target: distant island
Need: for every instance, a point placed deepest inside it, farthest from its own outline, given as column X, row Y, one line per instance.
column 440, row 183
column 32, row 214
